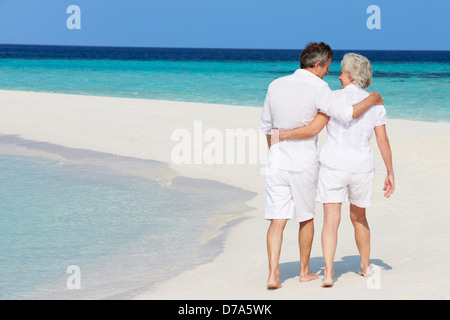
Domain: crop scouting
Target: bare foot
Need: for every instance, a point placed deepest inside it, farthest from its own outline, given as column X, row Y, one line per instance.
column 327, row 283
column 365, row 272
column 274, row 281
column 308, row 277
column 273, row 284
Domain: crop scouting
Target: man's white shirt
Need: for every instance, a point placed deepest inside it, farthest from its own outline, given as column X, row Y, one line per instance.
column 294, row 101
column 347, row 146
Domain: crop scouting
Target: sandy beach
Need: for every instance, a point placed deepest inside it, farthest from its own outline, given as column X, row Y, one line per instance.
column 410, row 238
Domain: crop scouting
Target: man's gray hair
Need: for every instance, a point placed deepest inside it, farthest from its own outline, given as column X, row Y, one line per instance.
column 359, row 68
column 315, row 52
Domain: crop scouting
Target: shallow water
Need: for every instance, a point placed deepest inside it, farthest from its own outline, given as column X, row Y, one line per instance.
column 124, row 232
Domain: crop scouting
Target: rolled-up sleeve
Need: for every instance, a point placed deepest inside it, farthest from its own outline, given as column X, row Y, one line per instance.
column 266, row 117
column 331, row 105
column 381, row 119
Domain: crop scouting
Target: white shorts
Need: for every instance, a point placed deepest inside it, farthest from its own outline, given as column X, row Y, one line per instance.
column 337, row 186
column 291, row 193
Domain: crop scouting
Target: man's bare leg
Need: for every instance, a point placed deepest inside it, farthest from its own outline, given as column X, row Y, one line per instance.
column 274, row 242
column 305, row 240
column 331, row 221
column 362, row 237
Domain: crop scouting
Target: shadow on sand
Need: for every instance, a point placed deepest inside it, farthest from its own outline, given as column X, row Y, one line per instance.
column 346, row 264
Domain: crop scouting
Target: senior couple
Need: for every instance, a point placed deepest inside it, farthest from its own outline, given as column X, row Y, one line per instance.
column 296, row 109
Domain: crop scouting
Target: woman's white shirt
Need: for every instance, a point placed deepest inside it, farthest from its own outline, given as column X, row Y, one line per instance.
column 347, row 146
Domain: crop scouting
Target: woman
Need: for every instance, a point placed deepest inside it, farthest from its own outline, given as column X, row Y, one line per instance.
column 347, row 163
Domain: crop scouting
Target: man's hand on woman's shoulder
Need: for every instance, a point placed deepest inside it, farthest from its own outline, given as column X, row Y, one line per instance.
column 376, row 97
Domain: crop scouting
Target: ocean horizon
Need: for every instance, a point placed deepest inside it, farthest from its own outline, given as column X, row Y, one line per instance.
column 414, row 84
column 47, row 51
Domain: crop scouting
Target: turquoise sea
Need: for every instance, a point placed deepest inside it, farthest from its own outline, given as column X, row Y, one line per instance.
column 415, row 85
column 126, row 232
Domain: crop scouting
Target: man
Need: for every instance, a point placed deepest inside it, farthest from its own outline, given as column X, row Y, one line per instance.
column 294, row 101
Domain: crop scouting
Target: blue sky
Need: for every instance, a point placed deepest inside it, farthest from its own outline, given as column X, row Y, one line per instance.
column 277, row 24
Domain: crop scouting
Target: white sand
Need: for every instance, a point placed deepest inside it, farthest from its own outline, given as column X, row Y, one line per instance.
column 410, row 238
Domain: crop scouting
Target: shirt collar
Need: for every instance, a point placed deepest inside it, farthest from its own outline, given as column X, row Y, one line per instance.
column 352, row 86
column 304, row 72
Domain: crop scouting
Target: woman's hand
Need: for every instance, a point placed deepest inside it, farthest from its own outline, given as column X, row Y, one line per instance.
column 389, row 185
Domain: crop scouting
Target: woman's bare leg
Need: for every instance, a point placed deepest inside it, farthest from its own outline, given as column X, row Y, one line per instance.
column 331, row 221
column 362, row 236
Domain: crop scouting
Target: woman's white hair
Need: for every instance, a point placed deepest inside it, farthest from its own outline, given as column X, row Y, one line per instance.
column 359, row 68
